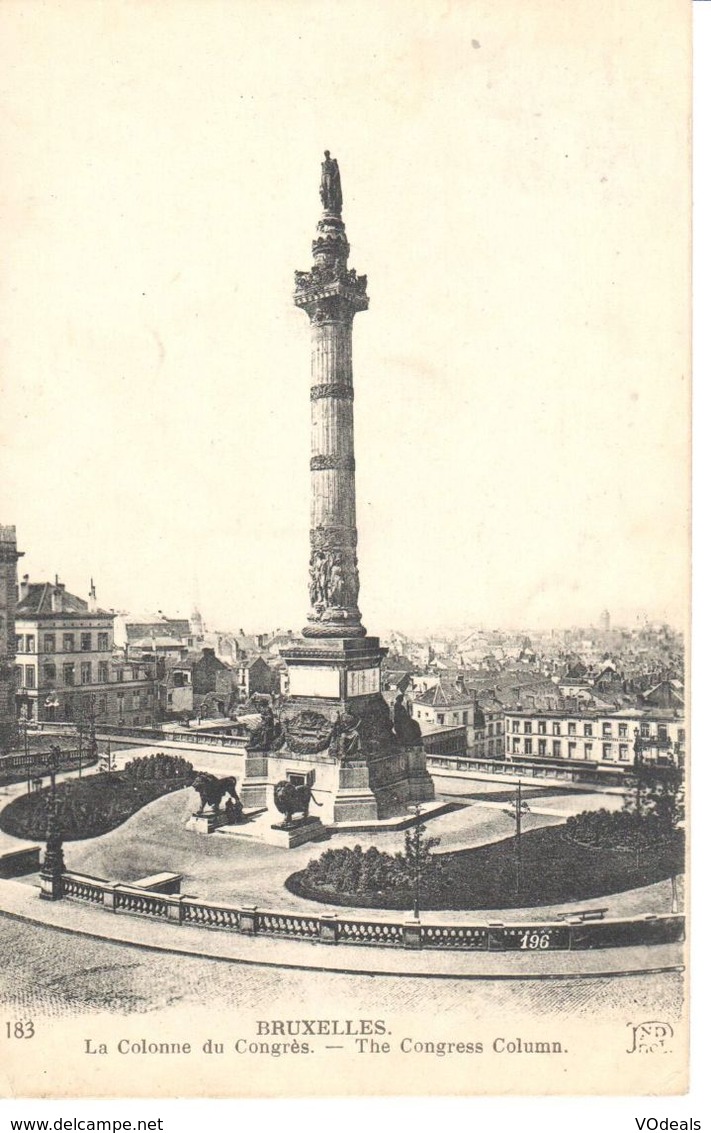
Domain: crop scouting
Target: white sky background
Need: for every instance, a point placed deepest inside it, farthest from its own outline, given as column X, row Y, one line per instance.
column 521, row 211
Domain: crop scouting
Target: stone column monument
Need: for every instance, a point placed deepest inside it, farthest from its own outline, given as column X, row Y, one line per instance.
column 335, row 729
column 331, row 294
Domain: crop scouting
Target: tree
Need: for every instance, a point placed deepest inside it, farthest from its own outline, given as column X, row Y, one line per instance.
column 422, row 868
column 657, row 800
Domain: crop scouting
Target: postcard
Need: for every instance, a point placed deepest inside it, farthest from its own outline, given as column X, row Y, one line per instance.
column 344, row 548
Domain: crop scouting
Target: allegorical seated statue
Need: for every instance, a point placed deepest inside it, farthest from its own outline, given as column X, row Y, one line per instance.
column 293, row 798
column 268, row 735
column 407, row 730
column 212, row 791
column 345, row 742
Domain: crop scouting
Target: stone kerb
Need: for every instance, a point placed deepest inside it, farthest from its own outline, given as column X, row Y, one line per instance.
column 330, row 928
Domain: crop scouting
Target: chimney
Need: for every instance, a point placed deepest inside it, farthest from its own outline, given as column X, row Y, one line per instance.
column 92, row 597
column 57, row 596
column 24, row 587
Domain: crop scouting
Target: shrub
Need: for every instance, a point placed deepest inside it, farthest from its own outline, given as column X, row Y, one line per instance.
column 619, row 830
column 350, row 871
column 159, row 766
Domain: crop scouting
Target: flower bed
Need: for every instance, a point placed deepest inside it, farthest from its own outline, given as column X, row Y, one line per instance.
column 95, row 804
column 555, row 870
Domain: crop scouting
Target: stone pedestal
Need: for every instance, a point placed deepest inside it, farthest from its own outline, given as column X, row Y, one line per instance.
column 307, row 830
column 51, row 875
column 206, row 823
column 51, row 887
column 418, row 777
column 254, row 789
column 362, row 771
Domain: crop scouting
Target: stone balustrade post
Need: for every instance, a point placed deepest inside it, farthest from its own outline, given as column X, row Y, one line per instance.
column 175, row 909
column 328, row 928
column 110, row 896
column 412, row 936
column 248, row 919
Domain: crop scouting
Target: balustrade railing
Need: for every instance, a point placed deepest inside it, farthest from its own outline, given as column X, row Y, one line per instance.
column 575, row 934
column 369, row 932
column 288, row 924
column 211, row 916
column 141, row 901
column 84, row 888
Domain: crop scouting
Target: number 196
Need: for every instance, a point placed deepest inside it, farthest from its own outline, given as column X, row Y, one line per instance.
column 535, row 939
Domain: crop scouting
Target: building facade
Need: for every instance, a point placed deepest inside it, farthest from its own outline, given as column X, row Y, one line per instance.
column 599, row 739
column 451, row 704
column 65, row 664
column 8, row 597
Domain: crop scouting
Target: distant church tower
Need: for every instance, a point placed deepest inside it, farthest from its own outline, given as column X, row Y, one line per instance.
column 605, row 621
column 197, row 626
column 8, row 600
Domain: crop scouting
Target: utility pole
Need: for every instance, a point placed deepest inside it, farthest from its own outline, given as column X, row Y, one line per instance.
column 93, row 746
column 418, row 843
column 519, row 809
column 25, row 724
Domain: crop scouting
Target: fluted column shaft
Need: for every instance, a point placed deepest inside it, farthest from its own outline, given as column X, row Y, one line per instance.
column 331, row 294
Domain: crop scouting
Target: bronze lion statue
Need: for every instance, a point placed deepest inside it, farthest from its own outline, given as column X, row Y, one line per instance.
column 293, row 798
column 212, row 790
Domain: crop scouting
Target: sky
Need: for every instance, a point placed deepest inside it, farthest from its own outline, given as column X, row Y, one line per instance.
column 515, row 187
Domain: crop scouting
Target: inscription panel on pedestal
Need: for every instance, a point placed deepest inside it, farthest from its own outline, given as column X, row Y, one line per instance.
column 317, row 680
column 361, row 682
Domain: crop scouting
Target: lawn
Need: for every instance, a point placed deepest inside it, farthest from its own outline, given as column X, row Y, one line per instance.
column 554, row 871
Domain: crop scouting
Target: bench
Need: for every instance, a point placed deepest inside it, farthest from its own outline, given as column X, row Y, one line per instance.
column 582, row 914
column 159, row 883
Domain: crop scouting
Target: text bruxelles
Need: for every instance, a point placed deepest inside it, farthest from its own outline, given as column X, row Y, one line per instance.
column 295, row 1027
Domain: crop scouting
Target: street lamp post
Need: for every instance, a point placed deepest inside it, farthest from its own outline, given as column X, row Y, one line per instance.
column 54, row 760
column 51, row 874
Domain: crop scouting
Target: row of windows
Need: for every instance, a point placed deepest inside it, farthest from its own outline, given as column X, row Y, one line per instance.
column 71, row 710
column 488, row 747
column 572, row 728
column 623, row 731
column 69, row 672
column 571, row 751
column 25, row 642
column 440, row 718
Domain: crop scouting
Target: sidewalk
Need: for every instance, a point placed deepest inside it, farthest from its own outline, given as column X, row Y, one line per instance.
column 22, row 901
